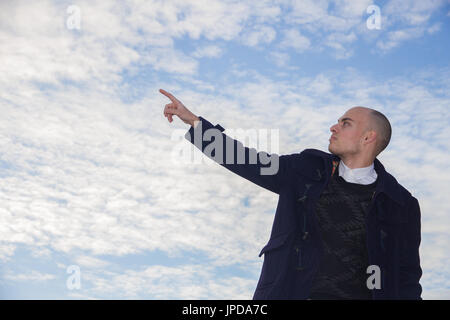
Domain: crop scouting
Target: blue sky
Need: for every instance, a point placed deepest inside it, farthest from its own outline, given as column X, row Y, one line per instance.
column 87, row 176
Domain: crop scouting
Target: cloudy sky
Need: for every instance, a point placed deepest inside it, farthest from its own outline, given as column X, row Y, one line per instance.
column 90, row 189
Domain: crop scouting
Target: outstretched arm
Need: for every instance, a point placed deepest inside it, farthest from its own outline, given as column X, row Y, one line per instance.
column 266, row 170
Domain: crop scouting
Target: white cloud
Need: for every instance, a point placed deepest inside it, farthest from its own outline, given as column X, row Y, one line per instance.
column 411, row 12
column 341, row 44
column 44, row 50
column 261, row 34
column 32, row 276
column 406, row 20
column 162, row 282
column 212, row 19
column 309, row 11
column 320, row 85
column 351, row 9
column 394, row 38
column 208, row 51
column 434, row 28
column 324, row 15
column 436, row 294
column 6, row 248
column 91, row 262
column 171, row 61
column 293, row 39
column 281, row 59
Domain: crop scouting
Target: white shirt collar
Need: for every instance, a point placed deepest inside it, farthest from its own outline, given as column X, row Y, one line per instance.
column 366, row 175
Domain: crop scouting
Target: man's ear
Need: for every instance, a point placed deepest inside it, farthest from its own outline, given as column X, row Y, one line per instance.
column 371, row 135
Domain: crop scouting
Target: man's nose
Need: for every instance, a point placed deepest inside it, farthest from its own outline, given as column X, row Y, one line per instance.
column 333, row 128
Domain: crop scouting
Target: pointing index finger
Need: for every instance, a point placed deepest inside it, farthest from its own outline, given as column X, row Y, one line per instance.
column 168, row 95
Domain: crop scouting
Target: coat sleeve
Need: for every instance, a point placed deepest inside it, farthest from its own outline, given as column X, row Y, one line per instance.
column 266, row 170
column 410, row 270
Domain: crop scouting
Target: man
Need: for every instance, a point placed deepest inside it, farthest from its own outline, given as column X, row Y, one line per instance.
column 344, row 227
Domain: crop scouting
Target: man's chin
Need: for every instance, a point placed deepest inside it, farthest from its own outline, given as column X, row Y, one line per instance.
column 330, row 149
column 333, row 151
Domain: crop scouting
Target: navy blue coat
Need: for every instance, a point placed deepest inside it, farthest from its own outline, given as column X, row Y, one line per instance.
column 292, row 255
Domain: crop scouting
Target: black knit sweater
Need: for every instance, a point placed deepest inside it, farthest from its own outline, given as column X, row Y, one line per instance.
column 341, row 212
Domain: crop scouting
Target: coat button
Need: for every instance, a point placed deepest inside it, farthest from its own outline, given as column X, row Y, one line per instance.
column 319, row 174
column 299, row 266
column 305, row 235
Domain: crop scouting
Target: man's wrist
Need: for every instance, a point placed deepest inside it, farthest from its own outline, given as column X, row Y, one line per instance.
column 195, row 122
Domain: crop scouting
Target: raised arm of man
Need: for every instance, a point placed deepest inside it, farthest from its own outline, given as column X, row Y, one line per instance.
column 266, row 170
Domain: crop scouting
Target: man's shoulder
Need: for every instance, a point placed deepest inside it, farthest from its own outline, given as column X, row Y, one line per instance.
column 408, row 197
column 312, row 154
column 308, row 162
column 316, row 153
column 409, row 202
column 398, row 191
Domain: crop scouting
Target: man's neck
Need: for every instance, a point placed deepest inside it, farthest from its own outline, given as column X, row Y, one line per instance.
column 353, row 163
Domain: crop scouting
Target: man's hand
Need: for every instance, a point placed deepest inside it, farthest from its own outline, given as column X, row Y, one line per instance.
column 177, row 108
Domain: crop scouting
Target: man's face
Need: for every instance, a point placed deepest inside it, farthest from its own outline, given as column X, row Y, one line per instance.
column 347, row 134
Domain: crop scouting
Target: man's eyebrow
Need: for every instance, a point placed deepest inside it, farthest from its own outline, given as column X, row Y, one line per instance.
column 346, row 119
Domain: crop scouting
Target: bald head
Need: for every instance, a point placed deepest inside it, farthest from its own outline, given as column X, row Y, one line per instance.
column 379, row 123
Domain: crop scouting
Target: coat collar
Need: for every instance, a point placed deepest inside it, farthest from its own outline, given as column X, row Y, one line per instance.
column 386, row 184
